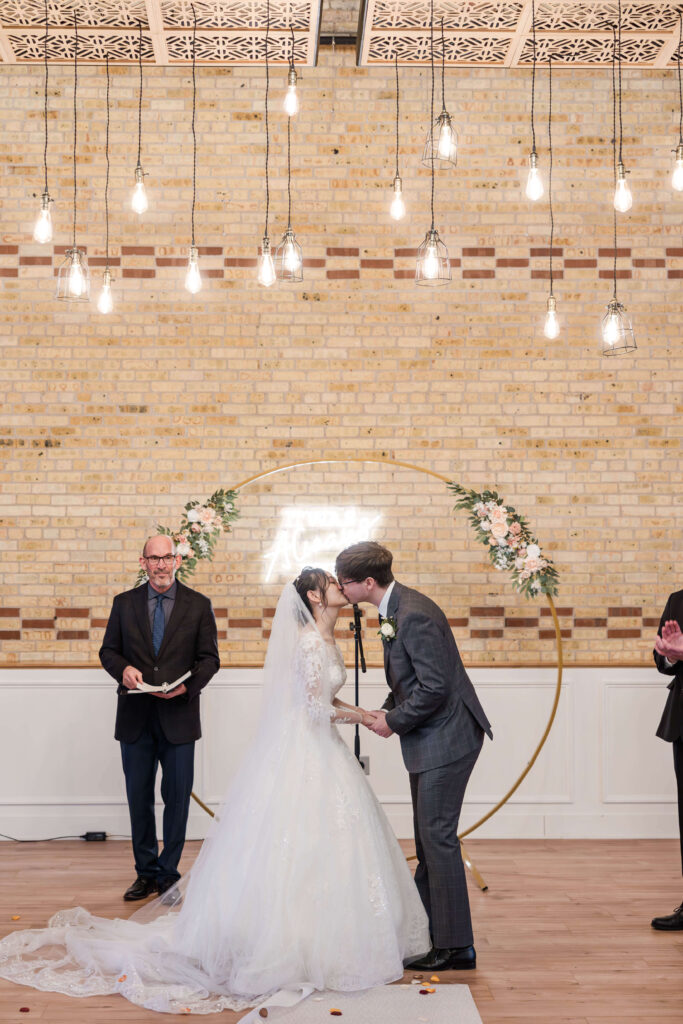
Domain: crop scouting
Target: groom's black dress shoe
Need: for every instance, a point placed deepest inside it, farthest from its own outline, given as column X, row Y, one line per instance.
column 463, row 958
column 672, row 923
column 140, row 889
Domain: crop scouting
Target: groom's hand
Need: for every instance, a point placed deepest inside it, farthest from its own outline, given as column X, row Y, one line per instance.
column 380, row 726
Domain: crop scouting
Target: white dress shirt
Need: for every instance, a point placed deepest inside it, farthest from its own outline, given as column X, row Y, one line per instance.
column 384, row 603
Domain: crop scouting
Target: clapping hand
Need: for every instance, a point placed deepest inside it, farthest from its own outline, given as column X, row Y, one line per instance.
column 670, row 643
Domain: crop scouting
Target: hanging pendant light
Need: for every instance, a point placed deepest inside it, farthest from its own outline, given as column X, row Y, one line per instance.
column 105, row 302
column 193, row 278
column 623, row 200
column 442, row 141
column 139, row 202
column 398, row 207
column 677, row 176
column 534, row 182
column 432, row 267
column 42, row 231
column 291, row 103
column 289, row 262
column 266, row 268
column 551, row 328
column 73, row 279
column 616, row 329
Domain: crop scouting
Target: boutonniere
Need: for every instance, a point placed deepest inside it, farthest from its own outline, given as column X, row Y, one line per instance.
column 388, row 630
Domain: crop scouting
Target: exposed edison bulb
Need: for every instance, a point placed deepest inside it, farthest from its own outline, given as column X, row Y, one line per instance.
column 291, row 103
column 193, row 279
column 445, row 140
column 677, row 177
column 398, row 207
column 139, row 200
column 42, row 232
column 105, row 302
column 534, row 182
column 623, row 200
column 431, row 262
column 291, row 258
column 266, row 267
column 611, row 325
column 76, row 276
column 551, row 328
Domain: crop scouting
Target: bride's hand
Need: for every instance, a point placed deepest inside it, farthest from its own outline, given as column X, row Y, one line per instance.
column 368, row 718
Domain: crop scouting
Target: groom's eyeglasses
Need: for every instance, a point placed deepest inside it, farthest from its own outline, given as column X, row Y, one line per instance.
column 345, row 583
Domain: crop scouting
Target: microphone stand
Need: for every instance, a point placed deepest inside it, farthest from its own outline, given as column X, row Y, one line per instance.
column 359, row 662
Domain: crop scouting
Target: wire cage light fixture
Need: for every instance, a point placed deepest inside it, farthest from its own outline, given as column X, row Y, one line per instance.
column 441, row 144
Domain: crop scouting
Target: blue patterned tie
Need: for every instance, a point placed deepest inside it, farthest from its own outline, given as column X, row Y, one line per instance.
column 158, row 624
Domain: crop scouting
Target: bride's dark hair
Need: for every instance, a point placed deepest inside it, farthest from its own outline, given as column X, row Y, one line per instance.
column 312, row 579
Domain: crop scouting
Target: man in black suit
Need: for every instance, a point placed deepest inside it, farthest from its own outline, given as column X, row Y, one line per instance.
column 668, row 655
column 435, row 711
column 157, row 633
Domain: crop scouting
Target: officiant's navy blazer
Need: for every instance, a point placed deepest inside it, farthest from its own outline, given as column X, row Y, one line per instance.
column 433, row 706
column 189, row 644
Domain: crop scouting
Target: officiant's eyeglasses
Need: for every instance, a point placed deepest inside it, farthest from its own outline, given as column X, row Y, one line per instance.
column 159, row 559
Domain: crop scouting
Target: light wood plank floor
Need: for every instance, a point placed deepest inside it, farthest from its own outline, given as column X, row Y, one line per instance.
column 563, row 934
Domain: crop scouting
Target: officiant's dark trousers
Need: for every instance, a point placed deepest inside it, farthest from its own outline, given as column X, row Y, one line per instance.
column 440, row 875
column 140, row 762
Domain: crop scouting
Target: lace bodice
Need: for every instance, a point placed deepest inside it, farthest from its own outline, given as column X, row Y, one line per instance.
column 321, row 674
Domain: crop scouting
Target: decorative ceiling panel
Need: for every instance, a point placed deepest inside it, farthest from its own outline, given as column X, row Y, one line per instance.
column 230, row 32
column 490, row 33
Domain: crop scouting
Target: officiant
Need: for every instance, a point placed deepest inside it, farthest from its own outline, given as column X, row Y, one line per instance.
column 158, row 633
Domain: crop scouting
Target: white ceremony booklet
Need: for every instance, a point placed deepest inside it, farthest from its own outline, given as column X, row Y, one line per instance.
column 162, row 687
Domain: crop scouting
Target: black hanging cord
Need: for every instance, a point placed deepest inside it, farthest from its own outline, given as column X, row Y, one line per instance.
column 265, row 233
column 289, row 173
column 443, row 68
column 621, row 123
column 106, row 185
column 680, row 86
column 75, row 114
column 46, row 74
column 533, row 75
column 140, row 94
column 431, row 117
column 291, row 56
column 614, row 147
column 550, row 164
column 194, row 108
column 397, row 175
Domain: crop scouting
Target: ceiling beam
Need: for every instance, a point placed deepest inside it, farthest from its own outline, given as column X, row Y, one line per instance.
column 156, row 28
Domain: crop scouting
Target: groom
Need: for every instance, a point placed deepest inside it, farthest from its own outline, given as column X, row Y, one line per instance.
column 436, row 713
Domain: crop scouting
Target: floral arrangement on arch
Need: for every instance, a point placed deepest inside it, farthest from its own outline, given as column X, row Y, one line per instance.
column 512, row 547
column 200, row 527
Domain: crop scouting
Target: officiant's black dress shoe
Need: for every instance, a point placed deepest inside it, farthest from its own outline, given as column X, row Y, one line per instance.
column 140, row 889
column 463, row 958
column 672, row 923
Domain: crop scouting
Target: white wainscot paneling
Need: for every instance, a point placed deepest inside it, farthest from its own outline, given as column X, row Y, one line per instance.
column 601, row 774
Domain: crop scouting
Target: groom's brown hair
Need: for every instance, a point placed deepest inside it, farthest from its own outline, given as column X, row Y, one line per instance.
column 368, row 558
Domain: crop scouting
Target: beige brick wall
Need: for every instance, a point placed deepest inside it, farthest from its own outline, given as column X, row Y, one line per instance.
column 110, row 424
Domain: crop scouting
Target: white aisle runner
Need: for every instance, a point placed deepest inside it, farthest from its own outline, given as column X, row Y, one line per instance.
column 386, row 1004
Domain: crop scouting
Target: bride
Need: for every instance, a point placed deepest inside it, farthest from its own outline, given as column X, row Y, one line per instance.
column 300, row 884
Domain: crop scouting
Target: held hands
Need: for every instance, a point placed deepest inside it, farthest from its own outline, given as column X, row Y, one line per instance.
column 670, row 643
column 376, row 722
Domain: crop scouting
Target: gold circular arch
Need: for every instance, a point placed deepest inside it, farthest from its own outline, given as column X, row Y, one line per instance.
column 558, row 635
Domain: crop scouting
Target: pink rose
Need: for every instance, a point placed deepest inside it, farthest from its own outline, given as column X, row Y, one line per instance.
column 515, row 528
column 499, row 529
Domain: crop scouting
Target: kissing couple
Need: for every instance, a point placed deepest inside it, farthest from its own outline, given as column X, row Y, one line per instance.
column 301, row 883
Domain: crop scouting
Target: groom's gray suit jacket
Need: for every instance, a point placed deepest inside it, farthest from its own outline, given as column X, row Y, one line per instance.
column 433, row 706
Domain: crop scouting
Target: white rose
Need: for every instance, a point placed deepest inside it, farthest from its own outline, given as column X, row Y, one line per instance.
column 485, row 525
column 533, row 550
column 193, row 515
column 386, row 629
column 183, row 549
column 499, row 529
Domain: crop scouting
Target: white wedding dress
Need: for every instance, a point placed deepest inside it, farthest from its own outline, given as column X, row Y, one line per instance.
column 300, row 884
